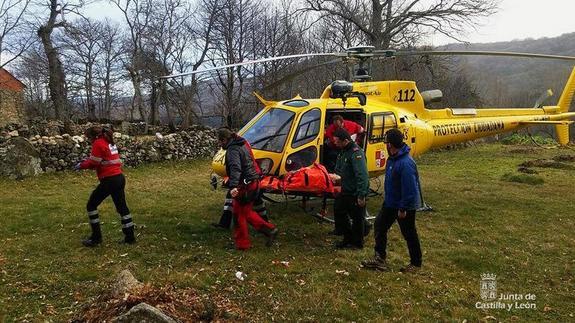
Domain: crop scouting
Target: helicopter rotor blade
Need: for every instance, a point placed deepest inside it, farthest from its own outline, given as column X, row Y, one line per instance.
column 481, row 53
column 362, row 53
column 293, row 75
column 255, row 61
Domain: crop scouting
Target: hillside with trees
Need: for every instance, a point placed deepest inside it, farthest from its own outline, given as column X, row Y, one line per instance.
column 517, row 81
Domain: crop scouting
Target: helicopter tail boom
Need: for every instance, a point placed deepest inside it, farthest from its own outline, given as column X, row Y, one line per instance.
column 564, row 104
column 567, row 95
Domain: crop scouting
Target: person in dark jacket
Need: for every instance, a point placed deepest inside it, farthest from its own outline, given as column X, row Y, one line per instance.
column 104, row 158
column 243, row 183
column 402, row 199
column 351, row 172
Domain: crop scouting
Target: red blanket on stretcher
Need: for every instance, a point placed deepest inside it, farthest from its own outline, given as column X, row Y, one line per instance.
column 313, row 179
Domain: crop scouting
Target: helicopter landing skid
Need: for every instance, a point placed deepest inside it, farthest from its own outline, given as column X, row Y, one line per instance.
column 425, row 208
column 323, row 214
column 320, row 212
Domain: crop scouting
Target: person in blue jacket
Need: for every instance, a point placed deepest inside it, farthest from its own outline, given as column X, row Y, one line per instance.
column 402, row 199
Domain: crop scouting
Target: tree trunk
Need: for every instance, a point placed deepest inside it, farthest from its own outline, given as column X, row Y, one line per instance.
column 138, row 97
column 137, row 101
column 57, row 80
column 90, row 95
column 107, row 98
column 154, row 101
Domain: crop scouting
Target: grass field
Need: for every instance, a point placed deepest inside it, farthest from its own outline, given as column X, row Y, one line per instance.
column 488, row 218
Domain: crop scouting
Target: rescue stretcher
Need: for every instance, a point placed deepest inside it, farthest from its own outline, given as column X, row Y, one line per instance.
column 307, row 185
column 312, row 182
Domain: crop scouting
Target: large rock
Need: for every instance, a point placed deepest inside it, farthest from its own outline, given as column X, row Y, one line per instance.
column 125, row 283
column 19, row 159
column 144, row 313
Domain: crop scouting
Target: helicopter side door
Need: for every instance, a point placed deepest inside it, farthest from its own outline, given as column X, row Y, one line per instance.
column 303, row 148
column 376, row 151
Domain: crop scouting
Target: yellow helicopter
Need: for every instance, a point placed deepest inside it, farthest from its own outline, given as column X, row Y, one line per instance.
column 287, row 135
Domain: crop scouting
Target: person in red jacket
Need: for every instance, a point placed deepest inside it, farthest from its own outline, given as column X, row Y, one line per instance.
column 331, row 151
column 244, row 180
column 338, row 122
column 104, row 158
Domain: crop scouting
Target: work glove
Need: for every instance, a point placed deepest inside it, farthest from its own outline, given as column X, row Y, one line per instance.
column 214, row 182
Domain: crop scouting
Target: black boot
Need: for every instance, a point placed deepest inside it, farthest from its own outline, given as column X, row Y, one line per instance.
column 96, row 237
column 366, row 228
column 129, row 237
column 271, row 234
column 219, row 226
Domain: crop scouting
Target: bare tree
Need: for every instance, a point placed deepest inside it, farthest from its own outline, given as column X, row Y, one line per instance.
column 232, row 44
column 32, row 70
column 15, row 37
column 190, row 57
column 57, row 78
column 108, row 71
column 137, row 15
column 83, row 40
column 167, row 35
column 284, row 78
column 393, row 22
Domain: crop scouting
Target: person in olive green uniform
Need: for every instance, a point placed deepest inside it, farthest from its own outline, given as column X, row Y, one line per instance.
column 351, row 172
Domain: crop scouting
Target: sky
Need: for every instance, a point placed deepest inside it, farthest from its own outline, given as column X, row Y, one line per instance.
column 520, row 19
column 516, row 19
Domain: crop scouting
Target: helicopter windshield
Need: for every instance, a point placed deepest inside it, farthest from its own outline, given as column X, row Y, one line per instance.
column 270, row 131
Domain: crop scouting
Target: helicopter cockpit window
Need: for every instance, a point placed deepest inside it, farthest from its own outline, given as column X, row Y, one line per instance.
column 271, row 130
column 380, row 123
column 308, row 128
column 296, row 103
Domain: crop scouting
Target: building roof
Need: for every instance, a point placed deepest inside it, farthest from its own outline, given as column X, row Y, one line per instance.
column 8, row 81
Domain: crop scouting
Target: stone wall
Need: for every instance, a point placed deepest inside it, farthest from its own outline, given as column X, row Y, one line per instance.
column 62, row 152
column 11, row 106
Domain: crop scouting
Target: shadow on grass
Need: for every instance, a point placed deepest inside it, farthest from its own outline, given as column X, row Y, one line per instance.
column 522, row 178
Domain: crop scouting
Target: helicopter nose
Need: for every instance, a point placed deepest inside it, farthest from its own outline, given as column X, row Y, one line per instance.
column 219, row 164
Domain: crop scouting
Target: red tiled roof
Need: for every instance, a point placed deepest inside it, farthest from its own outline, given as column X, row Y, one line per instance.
column 8, row 81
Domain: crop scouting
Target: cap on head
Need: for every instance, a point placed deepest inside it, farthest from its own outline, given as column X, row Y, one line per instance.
column 394, row 137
